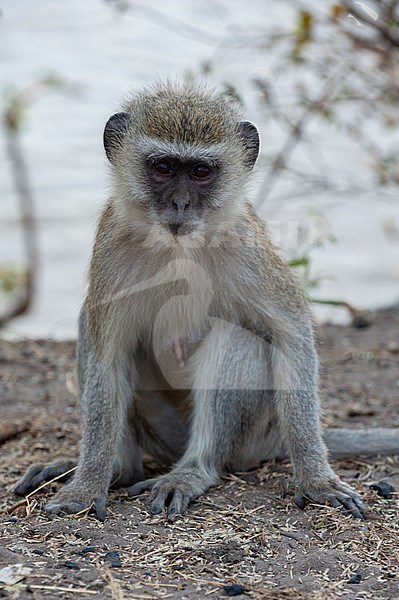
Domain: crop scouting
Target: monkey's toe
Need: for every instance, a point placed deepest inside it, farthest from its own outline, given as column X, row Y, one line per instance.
column 76, row 503
column 172, row 492
column 70, row 507
column 337, row 495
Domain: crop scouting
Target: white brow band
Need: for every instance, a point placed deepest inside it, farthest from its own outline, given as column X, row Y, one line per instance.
column 153, row 148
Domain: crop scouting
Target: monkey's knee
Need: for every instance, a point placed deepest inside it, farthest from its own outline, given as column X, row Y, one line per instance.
column 234, row 358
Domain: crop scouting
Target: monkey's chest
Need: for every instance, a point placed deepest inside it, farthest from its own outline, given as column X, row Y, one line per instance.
column 178, row 326
column 174, row 312
column 175, row 304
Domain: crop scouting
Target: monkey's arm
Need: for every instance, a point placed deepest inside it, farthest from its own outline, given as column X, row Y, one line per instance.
column 106, row 391
column 295, row 369
column 283, row 315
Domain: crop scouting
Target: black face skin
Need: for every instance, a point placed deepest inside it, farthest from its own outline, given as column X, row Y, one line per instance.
column 182, row 190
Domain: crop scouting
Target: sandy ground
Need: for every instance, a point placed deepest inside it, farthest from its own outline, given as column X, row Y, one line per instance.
column 245, row 532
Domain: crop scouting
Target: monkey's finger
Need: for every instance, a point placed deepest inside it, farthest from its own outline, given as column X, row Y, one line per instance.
column 26, row 484
column 300, row 500
column 39, row 474
column 158, row 501
column 178, row 505
column 50, row 472
column 99, row 509
column 140, row 487
column 352, row 508
column 359, row 503
column 347, row 492
column 67, row 507
column 334, row 502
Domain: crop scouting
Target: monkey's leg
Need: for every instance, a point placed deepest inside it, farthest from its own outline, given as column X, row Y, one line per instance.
column 295, row 376
column 224, row 415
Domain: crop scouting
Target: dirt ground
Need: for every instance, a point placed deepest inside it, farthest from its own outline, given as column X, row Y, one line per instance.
column 246, row 532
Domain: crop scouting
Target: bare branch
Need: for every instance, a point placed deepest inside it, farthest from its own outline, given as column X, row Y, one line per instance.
column 20, row 172
column 363, row 17
column 314, row 107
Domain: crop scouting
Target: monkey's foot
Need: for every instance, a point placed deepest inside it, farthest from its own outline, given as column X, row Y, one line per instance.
column 37, row 475
column 173, row 491
column 72, row 500
column 337, row 494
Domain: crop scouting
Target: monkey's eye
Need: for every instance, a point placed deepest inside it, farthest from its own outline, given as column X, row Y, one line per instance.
column 201, row 171
column 164, row 167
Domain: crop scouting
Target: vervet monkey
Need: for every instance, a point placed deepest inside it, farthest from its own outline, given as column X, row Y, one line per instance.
column 195, row 340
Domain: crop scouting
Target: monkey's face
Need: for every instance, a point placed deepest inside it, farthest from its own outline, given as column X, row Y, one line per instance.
column 184, row 192
column 181, row 158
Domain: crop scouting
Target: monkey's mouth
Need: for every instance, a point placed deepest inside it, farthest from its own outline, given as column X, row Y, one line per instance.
column 180, row 229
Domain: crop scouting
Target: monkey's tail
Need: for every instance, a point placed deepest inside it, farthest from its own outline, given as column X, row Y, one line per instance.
column 366, row 442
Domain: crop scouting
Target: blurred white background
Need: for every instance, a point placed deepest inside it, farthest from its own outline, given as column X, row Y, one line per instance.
column 100, row 53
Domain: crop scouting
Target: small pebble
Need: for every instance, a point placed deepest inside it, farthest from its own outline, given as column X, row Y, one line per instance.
column 355, row 578
column 86, row 550
column 72, row 565
column 234, row 589
column 383, row 489
column 113, row 558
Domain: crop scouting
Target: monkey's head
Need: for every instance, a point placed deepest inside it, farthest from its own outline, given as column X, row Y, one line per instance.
column 180, row 157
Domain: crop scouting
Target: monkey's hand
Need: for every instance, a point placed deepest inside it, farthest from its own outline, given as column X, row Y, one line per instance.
column 173, row 491
column 74, row 499
column 336, row 493
column 38, row 475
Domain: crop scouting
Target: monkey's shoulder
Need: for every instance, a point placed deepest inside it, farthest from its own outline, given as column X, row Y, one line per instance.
column 259, row 262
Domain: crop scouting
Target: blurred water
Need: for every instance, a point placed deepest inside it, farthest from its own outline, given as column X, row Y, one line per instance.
column 102, row 55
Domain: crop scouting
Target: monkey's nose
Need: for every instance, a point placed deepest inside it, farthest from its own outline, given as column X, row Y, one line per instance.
column 180, row 202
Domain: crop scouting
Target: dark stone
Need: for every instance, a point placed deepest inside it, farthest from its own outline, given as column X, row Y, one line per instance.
column 355, row 578
column 383, row 489
column 86, row 550
column 234, row 589
column 72, row 565
column 113, row 558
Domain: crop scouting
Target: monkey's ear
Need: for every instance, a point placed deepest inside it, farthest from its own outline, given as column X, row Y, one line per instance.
column 114, row 132
column 250, row 136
